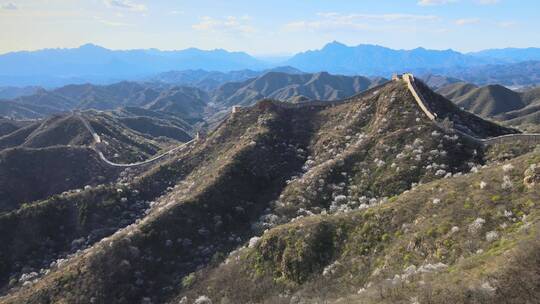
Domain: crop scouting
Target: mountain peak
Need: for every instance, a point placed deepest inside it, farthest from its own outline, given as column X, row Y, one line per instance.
column 334, row 44
column 91, row 46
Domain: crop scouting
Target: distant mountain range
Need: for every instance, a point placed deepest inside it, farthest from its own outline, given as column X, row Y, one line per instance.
column 319, row 201
column 287, row 87
column 336, row 57
column 210, row 80
column 517, row 75
column 187, row 102
column 496, row 101
column 91, row 63
column 486, row 101
column 510, row 54
column 14, row 92
column 94, row 64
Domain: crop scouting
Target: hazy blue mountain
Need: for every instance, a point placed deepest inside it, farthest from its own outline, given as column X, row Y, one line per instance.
column 14, row 92
column 91, row 63
column 336, row 57
column 513, row 75
column 185, row 102
column 292, row 87
column 510, row 54
column 438, row 81
column 188, row 102
column 210, row 69
column 210, row 80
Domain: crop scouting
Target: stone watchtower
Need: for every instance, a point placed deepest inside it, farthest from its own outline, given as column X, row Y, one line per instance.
column 397, row 77
column 200, row 135
column 235, row 109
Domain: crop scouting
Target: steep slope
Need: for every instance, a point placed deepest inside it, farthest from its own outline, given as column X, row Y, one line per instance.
column 438, row 81
column 65, row 130
column 8, row 126
column 486, row 101
column 466, row 239
column 52, row 100
column 281, row 86
column 18, row 110
column 186, row 102
column 515, row 108
column 109, row 97
column 131, row 131
column 18, row 137
column 54, row 155
column 463, row 121
column 263, row 167
column 58, row 130
column 14, row 92
column 154, row 128
column 457, row 90
column 163, row 117
column 86, row 96
column 28, row 174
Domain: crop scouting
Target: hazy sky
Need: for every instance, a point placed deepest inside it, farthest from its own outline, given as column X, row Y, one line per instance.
column 269, row 27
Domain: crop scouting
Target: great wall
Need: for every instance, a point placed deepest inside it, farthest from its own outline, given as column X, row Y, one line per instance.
column 504, row 139
column 410, row 81
column 98, row 143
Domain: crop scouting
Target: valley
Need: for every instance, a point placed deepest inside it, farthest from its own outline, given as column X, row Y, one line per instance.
column 358, row 199
column 269, row 152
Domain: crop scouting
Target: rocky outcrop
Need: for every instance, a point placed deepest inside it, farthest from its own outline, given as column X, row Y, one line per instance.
column 532, row 176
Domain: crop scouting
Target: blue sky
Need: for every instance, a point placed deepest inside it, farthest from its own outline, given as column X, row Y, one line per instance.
column 271, row 27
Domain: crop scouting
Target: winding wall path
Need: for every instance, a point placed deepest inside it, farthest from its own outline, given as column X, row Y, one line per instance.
column 411, row 85
column 98, row 142
column 509, row 138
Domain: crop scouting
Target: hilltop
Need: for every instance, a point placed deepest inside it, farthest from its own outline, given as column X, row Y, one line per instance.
column 190, row 104
column 14, row 92
column 211, row 80
column 282, row 86
column 314, row 201
column 185, row 102
column 487, row 101
column 10, row 125
column 516, row 108
column 44, row 158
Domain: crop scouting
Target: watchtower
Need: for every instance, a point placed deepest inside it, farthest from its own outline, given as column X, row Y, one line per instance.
column 236, row 109
column 199, row 135
column 397, row 77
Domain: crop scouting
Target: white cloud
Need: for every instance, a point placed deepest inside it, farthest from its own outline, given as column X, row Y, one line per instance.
column 487, row 2
column 382, row 17
column 335, row 21
column 112, row 23
column 467, row 21
column 8, row 6
column 507, row 24
column 442, row 2
column 434, row 2
column 228, row 24
column 176, row 12
column 126, row 4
